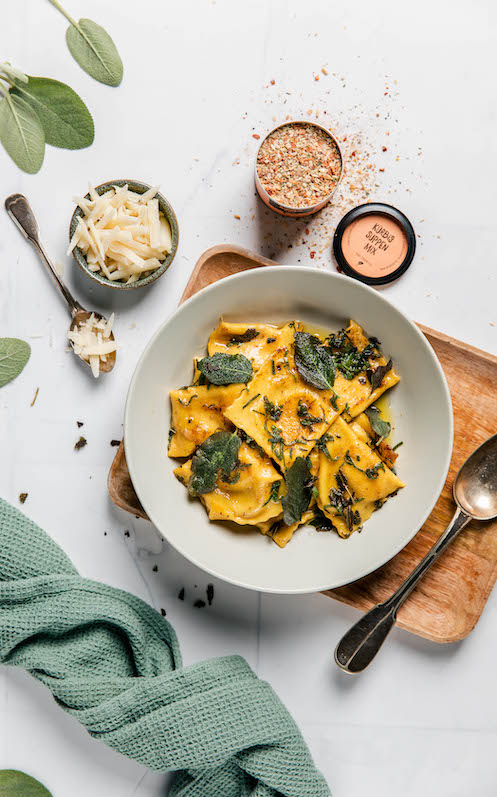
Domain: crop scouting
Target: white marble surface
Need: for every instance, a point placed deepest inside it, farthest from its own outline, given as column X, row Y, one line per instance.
column 197, row 86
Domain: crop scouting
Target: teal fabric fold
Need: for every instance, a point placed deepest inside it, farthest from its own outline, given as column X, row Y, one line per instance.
column 114, row 664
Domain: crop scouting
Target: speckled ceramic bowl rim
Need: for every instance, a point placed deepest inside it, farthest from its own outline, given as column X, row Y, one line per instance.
column 165, row 207
column 308, row 210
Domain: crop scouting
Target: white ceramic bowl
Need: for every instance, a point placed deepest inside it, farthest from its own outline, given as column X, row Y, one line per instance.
column 312, row 561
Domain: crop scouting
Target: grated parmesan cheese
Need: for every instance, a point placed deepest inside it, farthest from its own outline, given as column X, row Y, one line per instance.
column 92, row 341
column 122, row 234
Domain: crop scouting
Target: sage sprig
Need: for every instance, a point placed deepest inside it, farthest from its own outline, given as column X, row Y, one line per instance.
column 17, row 784
column 37, row 110
column 93, row 49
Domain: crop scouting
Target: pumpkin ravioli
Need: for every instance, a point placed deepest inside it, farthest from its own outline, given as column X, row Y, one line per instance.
column 196, row 413
column 281, row 412
column 353, row 481
column 246, row 497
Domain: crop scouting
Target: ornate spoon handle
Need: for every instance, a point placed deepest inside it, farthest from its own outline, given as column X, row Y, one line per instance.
column 361, row 643
column 19, row 209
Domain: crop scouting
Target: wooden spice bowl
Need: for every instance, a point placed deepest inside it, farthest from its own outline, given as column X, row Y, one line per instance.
column 289, row 210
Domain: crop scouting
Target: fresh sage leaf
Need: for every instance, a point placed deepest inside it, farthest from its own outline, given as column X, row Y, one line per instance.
column 93, row 49
column 65, row 119
column 314, row 361
column 14, row 354
column 21, row 133
column 298, row 491
column 376, row 377
column 217, row 455
column 17, row 784
column 226, row 369
column 378, row 425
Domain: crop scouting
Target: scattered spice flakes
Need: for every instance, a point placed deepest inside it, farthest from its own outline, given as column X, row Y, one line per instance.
column 324, row 70
column 199, row 604
column 299, row 164
column 163, row 612
column 79, row 424
column 115, row 443
column 237, row 217
column 35, row 397
column 210, row 593
column 81, row 443
column 256, row 136
column 126, row 533
column 22, row 497
column 181, row 594
column 383, row 149
column 155, row 569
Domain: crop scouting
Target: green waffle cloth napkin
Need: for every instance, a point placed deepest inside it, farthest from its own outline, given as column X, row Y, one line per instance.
column 113, row 663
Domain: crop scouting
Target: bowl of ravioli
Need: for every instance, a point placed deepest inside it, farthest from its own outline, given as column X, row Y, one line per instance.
column 288, row 430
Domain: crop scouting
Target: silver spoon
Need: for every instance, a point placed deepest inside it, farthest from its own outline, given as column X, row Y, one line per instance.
column 19, row 209
column 475, row 493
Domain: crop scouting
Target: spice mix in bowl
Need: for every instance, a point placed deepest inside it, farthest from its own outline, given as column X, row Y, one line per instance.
column 299, row 165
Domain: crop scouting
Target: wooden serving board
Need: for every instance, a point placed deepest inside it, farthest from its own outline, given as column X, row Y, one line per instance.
column 447, row 604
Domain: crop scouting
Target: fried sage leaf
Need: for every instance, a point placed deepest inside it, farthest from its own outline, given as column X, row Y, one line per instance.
column 379, row 426
column 14, row 354
column 376, row 377
column 218, row 455
column 272, row 410
column 17, row 784
column 226, row 369
column 321, row 522
column 298, row 491
column 65, row 119
column 244, row 337
column 21, row 133
column 315, row 362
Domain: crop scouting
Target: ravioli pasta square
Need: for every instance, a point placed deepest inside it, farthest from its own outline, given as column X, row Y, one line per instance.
column 281, row 412
column 353, row 481
column 247, row 497
column 355, row 393
column 256, row 341
column 196, row 413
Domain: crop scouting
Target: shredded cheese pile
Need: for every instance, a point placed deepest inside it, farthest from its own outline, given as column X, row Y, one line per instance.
column 122, row 234
column 92, row 342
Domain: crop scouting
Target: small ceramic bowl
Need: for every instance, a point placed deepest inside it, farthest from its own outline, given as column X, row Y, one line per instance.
column 164, row 206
